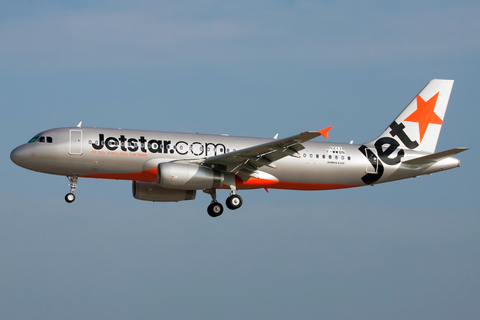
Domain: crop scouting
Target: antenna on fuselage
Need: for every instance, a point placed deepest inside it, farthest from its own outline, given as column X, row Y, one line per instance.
column 79, row 125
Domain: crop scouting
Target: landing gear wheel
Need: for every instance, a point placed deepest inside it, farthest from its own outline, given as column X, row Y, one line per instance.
column 70, row 197
column 234, row 202
column 215, row 209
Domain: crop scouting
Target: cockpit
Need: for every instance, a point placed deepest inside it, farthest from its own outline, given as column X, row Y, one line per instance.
column 41, row 139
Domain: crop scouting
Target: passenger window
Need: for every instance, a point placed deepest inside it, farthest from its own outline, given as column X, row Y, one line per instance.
column 41, row 139
column 49, row 140
column 323, row 156
column 311, row 155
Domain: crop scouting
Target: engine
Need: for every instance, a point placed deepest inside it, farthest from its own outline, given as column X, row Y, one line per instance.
column 151, row 191
column 188, row 176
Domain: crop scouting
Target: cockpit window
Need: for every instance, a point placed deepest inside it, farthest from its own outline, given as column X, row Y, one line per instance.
column 33, row 139
column 41, row 139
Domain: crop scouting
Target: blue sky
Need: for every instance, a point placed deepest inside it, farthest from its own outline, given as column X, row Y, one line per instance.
column 408, row 249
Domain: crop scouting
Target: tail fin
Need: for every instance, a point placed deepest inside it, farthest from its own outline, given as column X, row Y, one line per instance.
column 418, row 126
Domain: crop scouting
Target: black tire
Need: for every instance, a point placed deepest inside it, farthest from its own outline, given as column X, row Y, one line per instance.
column 69, row 197
column 234, row 202
column 215, row 209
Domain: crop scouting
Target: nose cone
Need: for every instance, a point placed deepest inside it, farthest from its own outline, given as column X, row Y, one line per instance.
column 20, row 156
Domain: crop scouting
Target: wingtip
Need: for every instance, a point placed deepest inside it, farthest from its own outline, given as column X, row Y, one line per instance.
column 324, row 132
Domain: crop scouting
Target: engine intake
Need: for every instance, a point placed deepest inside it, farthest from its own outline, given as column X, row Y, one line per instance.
column 188, row 176
column 150, row 191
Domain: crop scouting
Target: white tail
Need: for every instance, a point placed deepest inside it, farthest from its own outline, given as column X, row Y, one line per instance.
column 418, row 126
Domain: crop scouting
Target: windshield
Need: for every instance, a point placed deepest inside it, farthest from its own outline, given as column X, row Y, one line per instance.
column 33, row 139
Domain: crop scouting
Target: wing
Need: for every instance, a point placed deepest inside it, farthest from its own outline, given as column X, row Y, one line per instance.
column 248, row 160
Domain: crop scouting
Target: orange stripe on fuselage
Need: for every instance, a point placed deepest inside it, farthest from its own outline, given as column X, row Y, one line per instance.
column 148, row 175
column 310, row 186
column 252, row 183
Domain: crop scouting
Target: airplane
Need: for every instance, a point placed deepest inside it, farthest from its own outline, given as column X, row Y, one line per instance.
column 172, row 167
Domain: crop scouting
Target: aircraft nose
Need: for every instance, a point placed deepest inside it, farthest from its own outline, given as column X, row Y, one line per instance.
column 19, row 155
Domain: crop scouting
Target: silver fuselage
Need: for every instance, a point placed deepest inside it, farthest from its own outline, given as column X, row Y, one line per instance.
column 135, row 155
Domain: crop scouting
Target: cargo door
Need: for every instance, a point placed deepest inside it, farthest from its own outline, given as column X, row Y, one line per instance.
column 372, row 161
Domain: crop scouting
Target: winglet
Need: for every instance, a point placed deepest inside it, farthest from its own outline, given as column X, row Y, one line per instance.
column 324, row 132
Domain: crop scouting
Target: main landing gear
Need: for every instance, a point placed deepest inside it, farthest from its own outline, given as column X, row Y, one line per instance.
column 234, row 201
column 215, row 209
column 70, row 197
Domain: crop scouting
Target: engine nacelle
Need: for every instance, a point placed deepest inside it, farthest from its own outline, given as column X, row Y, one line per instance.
column 150, row 191
column 188, row 176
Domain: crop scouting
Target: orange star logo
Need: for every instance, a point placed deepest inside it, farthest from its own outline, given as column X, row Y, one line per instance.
column 425, row 114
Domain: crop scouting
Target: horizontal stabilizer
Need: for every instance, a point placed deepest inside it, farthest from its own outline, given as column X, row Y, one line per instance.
column 434, row 157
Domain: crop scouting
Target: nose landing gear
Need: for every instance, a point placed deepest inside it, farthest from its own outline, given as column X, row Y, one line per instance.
column 70, row 197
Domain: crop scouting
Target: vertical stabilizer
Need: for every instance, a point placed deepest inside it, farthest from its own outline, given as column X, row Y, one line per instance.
column 418, row 126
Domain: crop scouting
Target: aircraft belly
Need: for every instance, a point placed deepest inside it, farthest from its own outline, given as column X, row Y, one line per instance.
column 300, row 174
